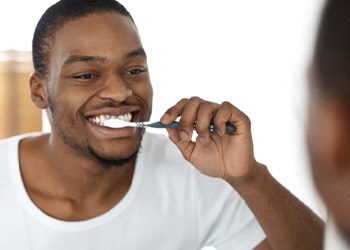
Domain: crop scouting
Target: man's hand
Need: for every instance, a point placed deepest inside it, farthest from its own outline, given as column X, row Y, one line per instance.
column 216, row 154
column 231, row 157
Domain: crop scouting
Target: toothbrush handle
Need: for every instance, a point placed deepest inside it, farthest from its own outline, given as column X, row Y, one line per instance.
column 230, row 129
column 161, row 125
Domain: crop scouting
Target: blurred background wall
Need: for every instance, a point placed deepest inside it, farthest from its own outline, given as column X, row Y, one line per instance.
column 17, row 113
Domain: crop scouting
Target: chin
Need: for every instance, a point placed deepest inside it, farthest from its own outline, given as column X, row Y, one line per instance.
column 108, row 157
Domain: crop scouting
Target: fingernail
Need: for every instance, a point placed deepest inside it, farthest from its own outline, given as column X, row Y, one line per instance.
column 165, row 116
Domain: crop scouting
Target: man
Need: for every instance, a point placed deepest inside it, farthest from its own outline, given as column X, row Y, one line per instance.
column 329, row 120
column 87, row 186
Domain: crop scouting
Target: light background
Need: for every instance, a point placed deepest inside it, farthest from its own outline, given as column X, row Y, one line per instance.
column 252, row 53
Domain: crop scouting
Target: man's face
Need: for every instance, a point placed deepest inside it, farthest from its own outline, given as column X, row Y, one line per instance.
column 98, row 68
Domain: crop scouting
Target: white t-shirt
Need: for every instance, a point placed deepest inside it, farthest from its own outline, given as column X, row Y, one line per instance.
column 333, row 239
column 170, row 205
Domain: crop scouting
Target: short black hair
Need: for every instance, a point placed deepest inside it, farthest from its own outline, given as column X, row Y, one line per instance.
column 56, row 16
column 331, row 61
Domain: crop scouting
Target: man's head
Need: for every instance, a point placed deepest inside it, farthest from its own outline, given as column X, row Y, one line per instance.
column 329, row 111
column 56, row 16
column 89, row 65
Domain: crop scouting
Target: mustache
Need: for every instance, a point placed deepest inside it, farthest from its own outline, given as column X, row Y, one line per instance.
column 105, row 104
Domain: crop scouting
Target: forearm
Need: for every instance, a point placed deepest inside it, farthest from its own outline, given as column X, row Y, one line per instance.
column 287, row 222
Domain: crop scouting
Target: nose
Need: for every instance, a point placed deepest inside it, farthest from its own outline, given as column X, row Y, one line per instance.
column 115, row 88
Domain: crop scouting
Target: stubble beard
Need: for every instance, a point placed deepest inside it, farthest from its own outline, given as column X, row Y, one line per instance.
column 102, row 161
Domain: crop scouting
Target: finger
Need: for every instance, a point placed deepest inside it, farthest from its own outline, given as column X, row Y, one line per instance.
column 189, row 117
column 205, row 115
column 222, row 117
column 175, row 111
column 186, row 147
column 228, row 113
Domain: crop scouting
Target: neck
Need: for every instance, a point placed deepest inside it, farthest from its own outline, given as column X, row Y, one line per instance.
column 75, row 182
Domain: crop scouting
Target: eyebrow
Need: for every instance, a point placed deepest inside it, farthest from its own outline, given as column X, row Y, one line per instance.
column 137, row 52
column 85, row 58
column 77, row 58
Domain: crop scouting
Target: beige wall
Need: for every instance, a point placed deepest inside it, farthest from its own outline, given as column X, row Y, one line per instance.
column 17, row 113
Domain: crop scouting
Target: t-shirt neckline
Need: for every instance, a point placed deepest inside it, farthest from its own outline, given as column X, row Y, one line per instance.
column 52, row 222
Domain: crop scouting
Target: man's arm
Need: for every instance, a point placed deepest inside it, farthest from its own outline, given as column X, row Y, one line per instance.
column 286, row 221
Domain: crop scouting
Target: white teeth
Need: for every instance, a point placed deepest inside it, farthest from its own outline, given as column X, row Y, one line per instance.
column 102, row 118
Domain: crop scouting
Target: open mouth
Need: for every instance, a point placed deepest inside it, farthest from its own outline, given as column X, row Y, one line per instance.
column 100, row 119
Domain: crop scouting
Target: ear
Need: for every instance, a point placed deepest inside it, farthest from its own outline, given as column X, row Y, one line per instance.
column 37, row 91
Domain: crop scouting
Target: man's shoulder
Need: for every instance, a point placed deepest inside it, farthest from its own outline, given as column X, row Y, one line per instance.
column 14, row 140
column 6, row 142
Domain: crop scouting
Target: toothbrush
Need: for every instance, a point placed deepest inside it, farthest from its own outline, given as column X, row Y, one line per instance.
column 118, row 123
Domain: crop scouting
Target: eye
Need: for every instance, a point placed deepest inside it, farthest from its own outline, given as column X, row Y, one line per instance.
column 85, row 76
column 135, row 71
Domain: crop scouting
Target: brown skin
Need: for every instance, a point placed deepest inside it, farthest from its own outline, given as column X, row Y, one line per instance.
column 329, row 143
column 86, row 79
column 287, row 222
column 66, row 181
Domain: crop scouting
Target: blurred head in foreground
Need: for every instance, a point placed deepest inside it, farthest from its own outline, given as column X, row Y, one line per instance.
column 328, row 129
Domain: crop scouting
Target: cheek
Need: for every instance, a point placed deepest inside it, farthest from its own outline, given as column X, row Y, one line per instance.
column 145, row 93
column 313, row 142
column 321, row 141
column 66, row 106
column 317, row 164
column 315, row 135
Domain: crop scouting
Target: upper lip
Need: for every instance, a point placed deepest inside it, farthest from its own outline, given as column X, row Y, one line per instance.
column 112, row 111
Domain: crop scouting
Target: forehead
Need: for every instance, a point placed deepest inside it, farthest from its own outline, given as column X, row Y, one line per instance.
column 101, row 34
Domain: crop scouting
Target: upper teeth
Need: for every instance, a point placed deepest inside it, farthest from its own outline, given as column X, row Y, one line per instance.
column 102, row 118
